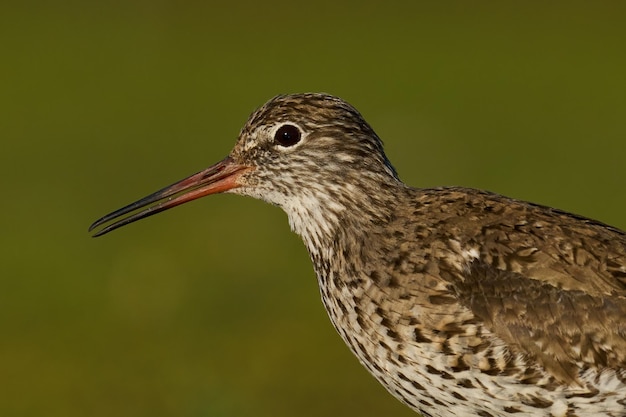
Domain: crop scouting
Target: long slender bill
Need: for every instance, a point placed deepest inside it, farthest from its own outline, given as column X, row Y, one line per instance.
column 218, row 178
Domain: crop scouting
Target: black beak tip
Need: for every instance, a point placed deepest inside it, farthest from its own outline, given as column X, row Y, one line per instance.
column 93, row 227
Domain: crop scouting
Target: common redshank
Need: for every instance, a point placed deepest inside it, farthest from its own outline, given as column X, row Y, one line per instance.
column 459, row 301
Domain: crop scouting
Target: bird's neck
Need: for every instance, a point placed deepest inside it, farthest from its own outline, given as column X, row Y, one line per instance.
column 334, row 221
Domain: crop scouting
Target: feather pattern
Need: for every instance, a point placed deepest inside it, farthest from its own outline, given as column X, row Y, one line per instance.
column 459, row 301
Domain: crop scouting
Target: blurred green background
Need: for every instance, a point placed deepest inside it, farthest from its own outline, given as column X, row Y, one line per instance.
column 212, row 309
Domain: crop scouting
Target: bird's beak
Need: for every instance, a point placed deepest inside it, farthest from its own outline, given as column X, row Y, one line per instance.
column 218, row 178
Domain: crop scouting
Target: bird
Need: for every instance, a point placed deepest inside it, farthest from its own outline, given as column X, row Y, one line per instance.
column 459, row 301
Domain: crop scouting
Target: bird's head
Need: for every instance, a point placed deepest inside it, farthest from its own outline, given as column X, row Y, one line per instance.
column 311, row 154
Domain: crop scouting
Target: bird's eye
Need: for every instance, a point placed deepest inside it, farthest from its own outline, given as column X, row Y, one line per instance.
column 287, row 135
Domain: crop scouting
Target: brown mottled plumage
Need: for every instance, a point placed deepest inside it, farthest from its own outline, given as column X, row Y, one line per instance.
column 459, row 301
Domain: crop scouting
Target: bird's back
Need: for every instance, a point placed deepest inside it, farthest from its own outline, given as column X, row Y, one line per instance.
column 485, row 304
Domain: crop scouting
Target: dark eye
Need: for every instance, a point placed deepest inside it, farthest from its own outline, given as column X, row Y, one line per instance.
column 287, row 135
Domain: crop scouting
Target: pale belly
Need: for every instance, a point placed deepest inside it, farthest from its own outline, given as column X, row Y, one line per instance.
column 470, row 373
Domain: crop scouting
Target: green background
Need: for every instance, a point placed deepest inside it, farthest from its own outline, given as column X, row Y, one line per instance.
column 212, row 309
